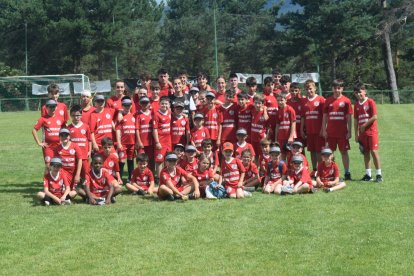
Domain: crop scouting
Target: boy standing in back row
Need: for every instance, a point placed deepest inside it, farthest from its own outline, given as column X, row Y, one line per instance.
column 366, row 131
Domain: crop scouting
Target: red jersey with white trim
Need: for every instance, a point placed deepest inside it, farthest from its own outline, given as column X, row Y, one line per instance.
column 61, row 111
column 69, row 155
column 155, row 105
column 240, row 148
column 188, row 166
column 180, row 126
column 274, row 173
column 165, row 90
column 198, row 135
column 312, row 111
column 271, row 103
column 86, row 115
column 127, row 127
column 99, row 185
column 175, row 176
column 220, row 96
column 285, row 116
column 162, row 122
column 251, row 171
column 143, row 125
column 116, row 103
column 142, row 178
column 301, row 175
column 263, row 162
column 258, row 126
column 228, row 122
column 231, row 170
column 203, row 176
column 211, row 118
column 244, row 118
column 110, row 162
column 56, row 185
column 363, row 112
column 101, row 124
column 214, row 158
column 290, row 163
column 328, row 172
column 50, row 128
column 297, row 105
column 81, row 136
column 337, row 109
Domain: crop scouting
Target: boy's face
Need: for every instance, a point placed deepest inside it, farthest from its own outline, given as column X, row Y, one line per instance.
column 221, row 84
column 142, row 165
column 178, row 110
column 55, row 168
column 252, row 89
column 51, row 109
column 202, row 99
column 241, row 137
column 156, row 92
column 295, row 92
column 325, row 157
column 119, row 89
column 163, row 78
column 164, row 105
column 209, row 100
column 85, row 99
column 204, row 164
column 296, row 149
column 198, row 122
column 360, row 94
column 179, row 152
column 97, row 164
column 207, row 148
column 281, row 101
column 183, row 78
column 142, row 93
column 258, row 105
column 144, row 106
column 64, row 138
column 53, row 95
column 269, row 87
column 190, row 154
column 242, row 101
column 310, row 91
column 227, row 154
column 274, row 155
column 246, row 158
column 126, row 107
column 297, row 165
column 286, row 87
column 337, row 91
column 202, row 81
column 276, row 78
column 107, row 149
column 265, row 149
column 171, row 164
column 99, row 103
column 76, row 117
column 233, row 82
column 178, row 85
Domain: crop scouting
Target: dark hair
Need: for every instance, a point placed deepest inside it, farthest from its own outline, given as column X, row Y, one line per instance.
column 251, row 81
column 242, row 95
column 221, row 77
column 233, row 75
column 337, row 82
column 202, row 75
column 145, row 76
column 96, row 156
column 162, row 71
column 359, row 86
column 207, row 142
column 107, row 141
column 258, row 97
column 76, row 108
column 285, row 79
column 142, row 157
column 276, row 71
column 268, row 80
column 53, row 88
column 165, row 98
column 154, row 85
column 294, row 85
column 182, row 72
column 247, row 151
column 202, row 157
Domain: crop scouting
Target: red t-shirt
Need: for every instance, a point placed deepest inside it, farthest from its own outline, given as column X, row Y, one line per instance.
column 297, row 105
column 251, row 171
column 61, row 111
column 211, row 119
column 337, row 109
column 101, row 124
column 189, row 167
column 110, row 162
column 231, row 170
column 301, row 175
column 116, row 103
column 99, row 185
column 175, row 176
column 143, row 178
column 244, row 118
column 127, row 127
column 198, row 135
column 56, row 185
column 263, row 162
column 86, row 115
column 258, row 126
column 179, row 127
column 143, row 125
column 50, row 127
column 162, row 122
column 312, row 111
column 240, row 148
column 155, row 105
column 69, row 155
column 285, row 116
column 228, row 122
column 363, row 112
column 274, row 173
column 165, row 90
column 80, row 135
column 203, row 176
column 328, row 173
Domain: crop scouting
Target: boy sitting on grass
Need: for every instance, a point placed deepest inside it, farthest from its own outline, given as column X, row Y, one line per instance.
column 142, row 180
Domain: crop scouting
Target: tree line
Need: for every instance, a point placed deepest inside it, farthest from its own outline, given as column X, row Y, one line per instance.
column 356, row 40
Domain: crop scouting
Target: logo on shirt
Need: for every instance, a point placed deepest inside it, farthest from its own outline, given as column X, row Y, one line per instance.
column 366, row 107
column 72, row 151
column 234, row 166
column 215, row 115
column 111, row 164
column 341, row 104
column 83, row 131
column 203, row 134
column 61, row 112
column 331, row 172
column 145, row 178
column 58, row 122
column 231, row 112
column 183, row 123
column 133, row 119
column 107, row 116
column 316, row 103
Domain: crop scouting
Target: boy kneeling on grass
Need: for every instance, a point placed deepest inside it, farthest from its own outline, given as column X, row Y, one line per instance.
column 100, row 186
column 56, row 188
column 298, row 180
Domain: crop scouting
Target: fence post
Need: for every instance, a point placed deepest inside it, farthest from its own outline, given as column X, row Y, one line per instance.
column 0, row 105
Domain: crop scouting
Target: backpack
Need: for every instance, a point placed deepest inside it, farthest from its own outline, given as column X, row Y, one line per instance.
column 280, row 166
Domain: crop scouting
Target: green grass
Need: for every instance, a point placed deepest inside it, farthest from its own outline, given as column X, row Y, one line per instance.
column 365, row 229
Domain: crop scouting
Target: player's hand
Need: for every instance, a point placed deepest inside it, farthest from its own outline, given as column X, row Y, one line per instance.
column 92, row 201
column 43, row 145
column 139, row 145
column 218, row 143
column 120, row 147
column 76, row 179
column 348, row 135
column 120, row 182
column 59, row 201
column 108, row 201
column 196, row 193
column 62, row 199
column 361, row 128
column 158, row 146
column 95, row 147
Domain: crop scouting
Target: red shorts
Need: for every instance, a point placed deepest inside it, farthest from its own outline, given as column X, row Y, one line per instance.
column 49, row 152
column 314, row 142
column 369, row 142
column 282, row 144
column 160, row 153
column 70, row 178
column 231, row 189
column 148, row 150
column 342, row 143
column 86, row 168
column 127, row 152
column 144, row 187
column 257, row 148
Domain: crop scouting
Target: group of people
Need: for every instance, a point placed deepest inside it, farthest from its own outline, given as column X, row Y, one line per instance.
column 192, row 141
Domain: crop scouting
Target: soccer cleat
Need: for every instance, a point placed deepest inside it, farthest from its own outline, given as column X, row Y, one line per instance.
column 347, row 176
column 113, row 199
column 366, row 178
column 141, row 192
column 327, row 190
column 100, row 201
column 170, row 198
column 47, row 203
column 287, row 190
column 378, row 178
column 247, row 194
column 313, row 190
column 66, row 202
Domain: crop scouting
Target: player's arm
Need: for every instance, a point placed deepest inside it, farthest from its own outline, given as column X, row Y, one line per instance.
column 220, row 129
column 138, row 144
column 78, row 170
column 36, row 138
column 94, row 143
column 170, row 185
column 292, row 131
column 368, row 123
column 302, row 127
column 52, row 196
column 156, row 139
column 349, row 126
column 356, row 130
column 277, row 132
column 195, row 184
column 111, row 192
column 334, row 182
column 324, row 125
column 65, row 194
column 151, row 187
column 118, row 138
column 319, row 182
column 241, row 180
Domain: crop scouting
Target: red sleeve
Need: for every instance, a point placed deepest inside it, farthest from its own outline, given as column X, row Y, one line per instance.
column 187, row 125
column 252, row 150
column 182, row 172
column 349, row 111
column 216, row 158
column 45, row 182
column 108, row 176
column 292, row 114
column 326, row 107
column 92, row 122
column 65, row 113
column 43, row 111
column 137, row 122
column 39, row 123
column 305, row 176
column 240, row 165
column 355, row 111
column 88, row 133
column 77, row 151
column 336, row 170
column 254, row 168
column 284, row 169
column 210, row 173
column 150, row 175
column 373, row 107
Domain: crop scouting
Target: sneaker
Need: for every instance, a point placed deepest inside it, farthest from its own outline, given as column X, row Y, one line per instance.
column 170, row 198
column 378, row 178
column 347, row 176
column 287, row 190
column 191, row 197
column 47, row 203
column 247, row 194
column 366, row 178
column 66, row 202
column 141, row 192
column 100, row 201
column 249, row 189
column 113, row 199
column 313, row 190
column 184, row 197
column 327, row 190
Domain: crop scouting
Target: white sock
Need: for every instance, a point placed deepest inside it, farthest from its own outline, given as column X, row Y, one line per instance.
column 379, row 172
column 368, row 172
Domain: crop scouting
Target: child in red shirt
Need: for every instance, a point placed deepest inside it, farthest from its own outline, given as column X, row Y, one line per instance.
column 244, row 113
column 180, row 125
column 328, row 173
column 189, row 163
column 276, row 172
column 110, row 159
column 211, row 118
column 213, row 156
column 142, row 180
column 143, row 125
column 162, row 132
column 227, row 121
column 101, row 124
column 232, row 173
column 252, row 178
column 285, row 130
column 204, row 174
column 61, row 110
column 259, row 126
column 241, row 144
column 298, row 179
column 199, row 133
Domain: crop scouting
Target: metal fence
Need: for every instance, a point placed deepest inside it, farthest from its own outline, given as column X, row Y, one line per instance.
column 33, row 104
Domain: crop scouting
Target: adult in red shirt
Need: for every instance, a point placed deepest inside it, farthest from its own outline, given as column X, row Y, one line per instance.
column 115, row 101
column 221, row 90
column 337, row 123
column 285, row 130
column 165, row 84
column 101, row 124
column 227, row 119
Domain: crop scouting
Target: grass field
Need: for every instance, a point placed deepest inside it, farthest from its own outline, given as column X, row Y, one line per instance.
column 365, row 229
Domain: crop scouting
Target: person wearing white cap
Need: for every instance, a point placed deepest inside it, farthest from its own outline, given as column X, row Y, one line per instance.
column 144, row 127
column 171, row 184
column 241, row 144
column 328, row 173
column 276, row 172
column 189, row 163
column 86, row 104
column 296, row 149
column 180, row 124
column 56, row 189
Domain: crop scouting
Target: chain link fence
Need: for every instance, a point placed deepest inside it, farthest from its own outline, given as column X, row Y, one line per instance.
column 33, row 104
